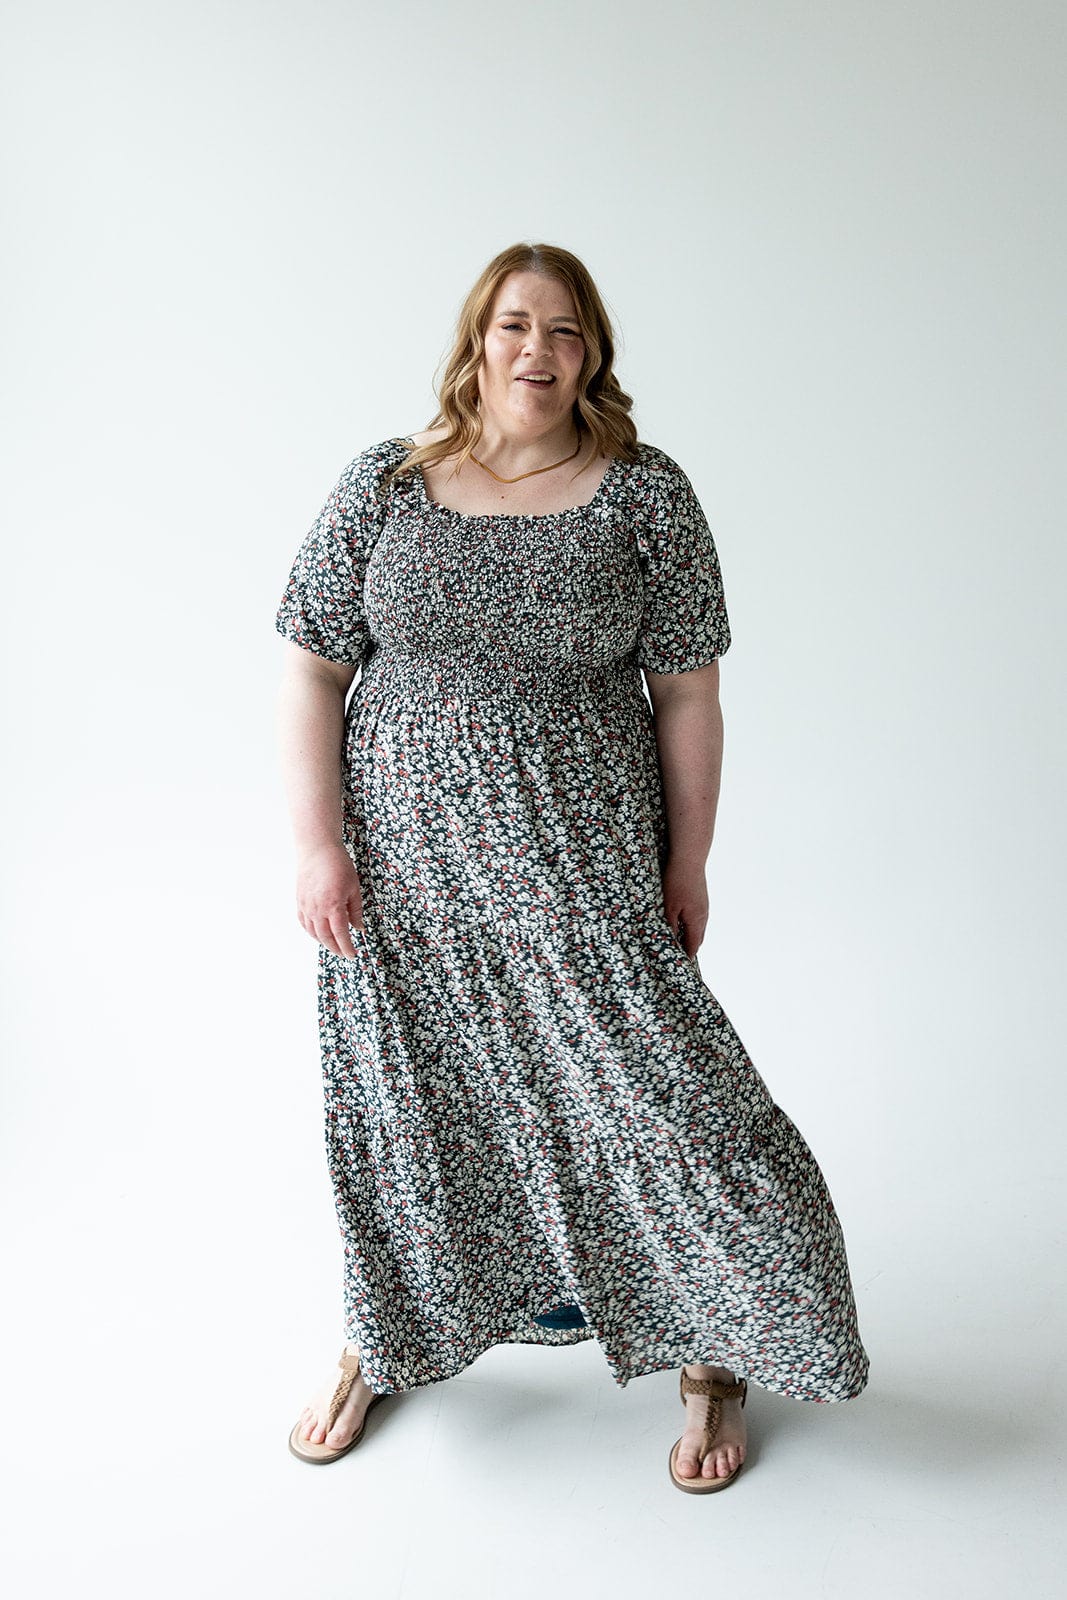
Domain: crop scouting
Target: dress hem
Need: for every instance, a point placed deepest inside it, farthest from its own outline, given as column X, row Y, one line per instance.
column 625, row 1374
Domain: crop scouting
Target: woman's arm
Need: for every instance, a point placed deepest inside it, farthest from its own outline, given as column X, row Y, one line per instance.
column 689, row 736
column 311, row 716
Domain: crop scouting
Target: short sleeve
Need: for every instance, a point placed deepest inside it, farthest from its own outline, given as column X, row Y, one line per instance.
column 684, row 624
column 322, row 606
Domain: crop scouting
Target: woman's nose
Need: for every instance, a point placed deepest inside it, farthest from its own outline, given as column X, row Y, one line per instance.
column 537, row 342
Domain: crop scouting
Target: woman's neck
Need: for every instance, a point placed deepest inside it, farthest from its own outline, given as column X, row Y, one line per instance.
column 510, row 451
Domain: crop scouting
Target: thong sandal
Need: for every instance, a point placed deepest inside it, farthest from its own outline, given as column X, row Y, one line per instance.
column 716, row 1392
column 321, row 1453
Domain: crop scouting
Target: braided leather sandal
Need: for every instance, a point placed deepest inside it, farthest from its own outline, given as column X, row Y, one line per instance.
column 305, row 1449
column 716, row 1392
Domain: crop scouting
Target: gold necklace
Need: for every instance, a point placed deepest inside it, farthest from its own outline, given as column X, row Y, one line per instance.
column 535, row 471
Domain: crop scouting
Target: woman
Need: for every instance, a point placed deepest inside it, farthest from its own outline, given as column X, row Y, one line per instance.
column 541, row 1126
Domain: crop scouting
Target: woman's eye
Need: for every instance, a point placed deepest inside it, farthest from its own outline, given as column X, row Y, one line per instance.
column 517, row 327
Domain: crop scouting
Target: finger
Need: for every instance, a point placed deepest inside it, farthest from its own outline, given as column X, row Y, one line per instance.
column 335, row 931
column 314, row 928
column 324, row 934
column 310, row 926
column 342, row 935
column 355, row 908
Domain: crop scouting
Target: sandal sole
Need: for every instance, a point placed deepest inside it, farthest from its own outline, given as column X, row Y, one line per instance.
column 320, row 1455
column 698, row 1485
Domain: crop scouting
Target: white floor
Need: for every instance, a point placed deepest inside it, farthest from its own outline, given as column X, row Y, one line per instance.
column 147, row 1435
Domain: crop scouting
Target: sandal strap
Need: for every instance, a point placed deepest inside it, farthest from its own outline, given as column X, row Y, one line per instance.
column 714, row 1388
column 349, row 1365
column 716, row 1392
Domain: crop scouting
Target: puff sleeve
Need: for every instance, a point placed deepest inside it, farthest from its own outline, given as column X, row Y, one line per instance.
column 684, row 624
column 322, row 606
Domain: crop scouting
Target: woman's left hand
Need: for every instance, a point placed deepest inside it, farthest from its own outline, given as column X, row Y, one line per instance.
column 685, row 902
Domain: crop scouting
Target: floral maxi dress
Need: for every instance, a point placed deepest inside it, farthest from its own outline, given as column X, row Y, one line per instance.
column 531, row 1097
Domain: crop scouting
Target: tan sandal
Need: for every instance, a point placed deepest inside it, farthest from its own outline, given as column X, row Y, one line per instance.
column 320, row 1453
column 717, row 1392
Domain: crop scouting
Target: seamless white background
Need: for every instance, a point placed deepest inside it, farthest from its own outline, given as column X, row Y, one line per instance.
column 237, row 235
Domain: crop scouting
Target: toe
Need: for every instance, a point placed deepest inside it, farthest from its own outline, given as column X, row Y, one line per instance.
column 685, row 1463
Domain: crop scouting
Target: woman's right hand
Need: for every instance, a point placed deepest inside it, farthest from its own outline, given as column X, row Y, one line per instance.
column 329, row 898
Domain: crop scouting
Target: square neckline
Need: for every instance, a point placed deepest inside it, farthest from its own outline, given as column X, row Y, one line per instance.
column 504, row 516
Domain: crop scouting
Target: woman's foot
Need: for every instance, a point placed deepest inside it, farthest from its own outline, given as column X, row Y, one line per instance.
column 728, row 1451
column 312, row 1424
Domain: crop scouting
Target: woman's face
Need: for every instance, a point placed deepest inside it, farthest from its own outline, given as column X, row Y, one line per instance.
column 528, row 379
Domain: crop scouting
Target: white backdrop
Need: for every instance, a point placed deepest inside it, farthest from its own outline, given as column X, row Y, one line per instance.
column 832, row 235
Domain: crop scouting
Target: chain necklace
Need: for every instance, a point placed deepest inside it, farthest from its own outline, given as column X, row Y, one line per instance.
column 535, row 471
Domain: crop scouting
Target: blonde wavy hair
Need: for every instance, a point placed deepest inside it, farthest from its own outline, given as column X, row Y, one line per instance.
column 601, row 409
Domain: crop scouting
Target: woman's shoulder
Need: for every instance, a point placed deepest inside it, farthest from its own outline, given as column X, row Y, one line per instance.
column 655, row 474
column 382, row 456
column 656, row 462
column 427, row 436
column 365, row 473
